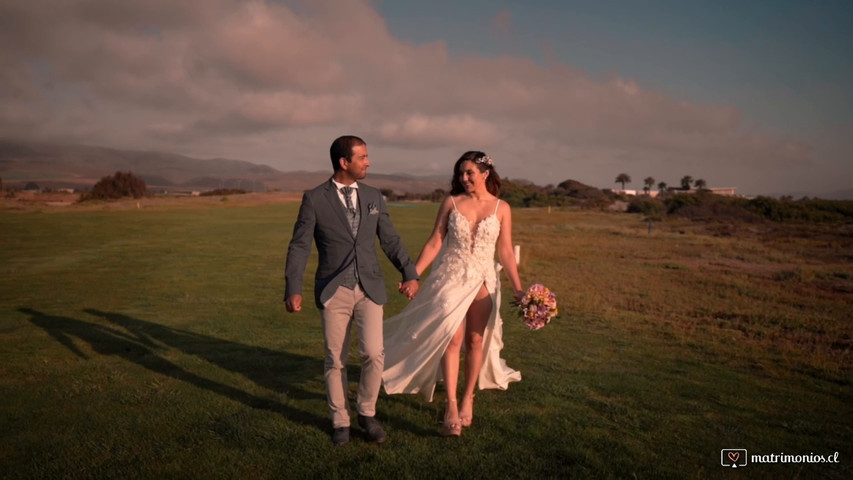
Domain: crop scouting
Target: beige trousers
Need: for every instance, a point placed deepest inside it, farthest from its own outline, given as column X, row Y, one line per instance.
column 339, row 313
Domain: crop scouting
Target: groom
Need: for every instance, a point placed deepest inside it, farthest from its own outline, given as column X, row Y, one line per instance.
column 344, row 217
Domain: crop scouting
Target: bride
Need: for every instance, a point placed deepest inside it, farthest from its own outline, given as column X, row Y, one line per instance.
column 459, row 302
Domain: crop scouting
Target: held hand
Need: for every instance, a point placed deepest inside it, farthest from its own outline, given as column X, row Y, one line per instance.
column 293, row 303
column 409, row 288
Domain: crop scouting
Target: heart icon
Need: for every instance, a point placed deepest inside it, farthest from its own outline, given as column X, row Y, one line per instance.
column 733, row 456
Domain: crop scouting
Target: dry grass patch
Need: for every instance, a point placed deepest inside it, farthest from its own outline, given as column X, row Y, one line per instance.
column 68, row 202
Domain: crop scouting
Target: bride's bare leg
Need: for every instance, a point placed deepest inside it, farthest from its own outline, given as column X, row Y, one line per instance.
column 450, row 372
column 475, row 325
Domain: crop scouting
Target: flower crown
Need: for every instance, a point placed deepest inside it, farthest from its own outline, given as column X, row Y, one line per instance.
column 484, row 160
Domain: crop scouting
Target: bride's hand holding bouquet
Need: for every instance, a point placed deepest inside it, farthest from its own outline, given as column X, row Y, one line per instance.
column 537, row 306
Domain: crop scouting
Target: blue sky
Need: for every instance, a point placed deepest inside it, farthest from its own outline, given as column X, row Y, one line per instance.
column 785, row 63
column 755, row 95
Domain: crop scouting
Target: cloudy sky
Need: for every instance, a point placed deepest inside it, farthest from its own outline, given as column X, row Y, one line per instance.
column 756, row 95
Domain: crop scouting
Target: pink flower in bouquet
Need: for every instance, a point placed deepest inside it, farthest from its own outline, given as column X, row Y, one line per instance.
column 537, row 307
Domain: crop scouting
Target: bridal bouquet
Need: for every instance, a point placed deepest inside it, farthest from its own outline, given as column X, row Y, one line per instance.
column 537, row 307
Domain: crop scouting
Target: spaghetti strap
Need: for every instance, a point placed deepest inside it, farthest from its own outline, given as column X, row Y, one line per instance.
column 454, row 203
column 497, row 205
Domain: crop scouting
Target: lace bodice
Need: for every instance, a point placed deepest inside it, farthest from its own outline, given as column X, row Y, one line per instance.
column 468, row 253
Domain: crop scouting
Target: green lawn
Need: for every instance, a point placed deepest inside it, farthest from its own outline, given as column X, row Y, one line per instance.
column 153, row 343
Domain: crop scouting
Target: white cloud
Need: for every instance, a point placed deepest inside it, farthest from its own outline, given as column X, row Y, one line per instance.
column 209, row 76
column 421, row 130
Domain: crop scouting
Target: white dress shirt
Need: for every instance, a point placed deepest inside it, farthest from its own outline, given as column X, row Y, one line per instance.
column 354, row 195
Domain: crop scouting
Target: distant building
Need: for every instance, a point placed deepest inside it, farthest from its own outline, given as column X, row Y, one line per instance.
column 724, row 191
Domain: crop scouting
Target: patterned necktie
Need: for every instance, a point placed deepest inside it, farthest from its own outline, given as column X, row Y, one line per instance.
column 353, row 213
column 347, row 191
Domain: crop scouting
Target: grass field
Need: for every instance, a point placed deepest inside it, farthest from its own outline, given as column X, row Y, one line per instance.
column 150, row 341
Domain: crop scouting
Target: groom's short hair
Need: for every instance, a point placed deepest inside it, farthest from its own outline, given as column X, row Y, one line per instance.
column 342, row 147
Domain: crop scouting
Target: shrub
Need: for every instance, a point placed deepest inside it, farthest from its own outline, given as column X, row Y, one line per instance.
column 816, row 210
column 120, row 185
column 707, row 206
column 652, row 208
column 437, row 195
column 521, row 193
column 222, row 191
column 676, row 202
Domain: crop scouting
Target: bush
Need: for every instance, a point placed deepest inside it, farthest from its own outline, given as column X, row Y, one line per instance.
column 707, row 206
column 679, row 201
column 437, row 195
column 652, row 208
column 120, row 185
column 816, row 210
column 223, row 191
column 521, row 193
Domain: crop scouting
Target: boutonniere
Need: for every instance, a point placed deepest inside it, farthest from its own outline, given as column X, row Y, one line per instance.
column 372, row 209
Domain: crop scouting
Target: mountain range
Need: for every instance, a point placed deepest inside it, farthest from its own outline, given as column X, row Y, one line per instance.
column 54, row 165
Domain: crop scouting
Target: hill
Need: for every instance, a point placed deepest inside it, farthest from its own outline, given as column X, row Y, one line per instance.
column 81, row 166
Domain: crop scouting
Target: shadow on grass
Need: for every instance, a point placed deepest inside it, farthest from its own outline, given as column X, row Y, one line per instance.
column 417, row 405
column 144, row 342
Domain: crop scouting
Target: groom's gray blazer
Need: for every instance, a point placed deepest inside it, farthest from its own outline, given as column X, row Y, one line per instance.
column 322, row 218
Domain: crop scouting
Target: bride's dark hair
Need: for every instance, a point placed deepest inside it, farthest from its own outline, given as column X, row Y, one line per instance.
column 483, row 163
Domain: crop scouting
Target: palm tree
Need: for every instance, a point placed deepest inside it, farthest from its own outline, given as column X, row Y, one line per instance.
column 662, row 186
column 649, row 183
column 700, row 184
column 686, row 181
column 623, row 178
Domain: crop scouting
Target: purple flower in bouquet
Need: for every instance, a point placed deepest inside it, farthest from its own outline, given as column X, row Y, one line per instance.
column 537, row 307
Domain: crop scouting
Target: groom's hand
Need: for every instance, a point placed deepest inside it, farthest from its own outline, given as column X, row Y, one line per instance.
column 409, row 288
column 293, row 303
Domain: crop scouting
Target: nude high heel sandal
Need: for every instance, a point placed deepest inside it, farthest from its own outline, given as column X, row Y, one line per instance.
column 451, row 427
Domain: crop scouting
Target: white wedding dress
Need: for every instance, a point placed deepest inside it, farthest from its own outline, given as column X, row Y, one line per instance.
column 416, row 338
